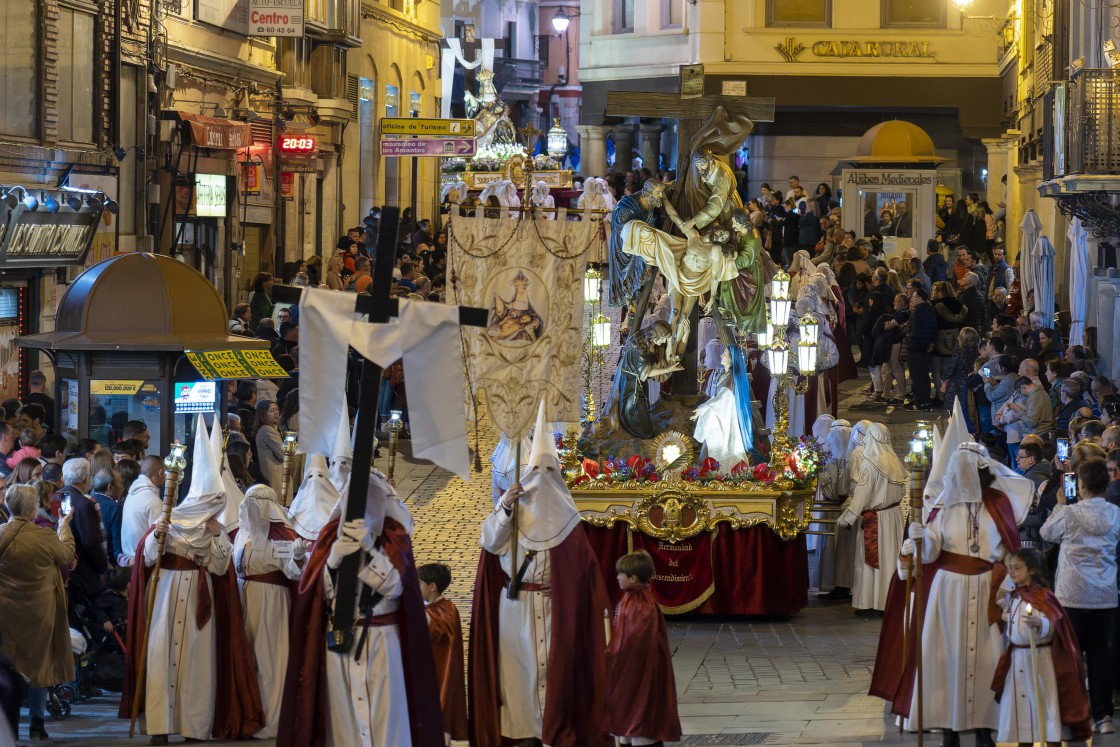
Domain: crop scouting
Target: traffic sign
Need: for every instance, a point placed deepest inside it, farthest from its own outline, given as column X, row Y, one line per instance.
column 446, row 147
column 433, row 127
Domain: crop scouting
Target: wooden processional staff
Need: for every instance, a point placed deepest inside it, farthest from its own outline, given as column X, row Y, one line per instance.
column 175, row 463
column 921, row 445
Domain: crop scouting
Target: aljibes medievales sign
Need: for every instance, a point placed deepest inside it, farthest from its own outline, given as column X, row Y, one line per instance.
column 887, row 179
column 791, row 49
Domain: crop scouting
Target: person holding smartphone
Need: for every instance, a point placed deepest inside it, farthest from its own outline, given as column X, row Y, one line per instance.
column 1088, row 531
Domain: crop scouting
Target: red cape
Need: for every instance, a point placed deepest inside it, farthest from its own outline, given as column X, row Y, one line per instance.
column 238, row 711
column 303, row 719
column 1069, row 667
column 576, row 676
column 446, row 632
column 641, row 692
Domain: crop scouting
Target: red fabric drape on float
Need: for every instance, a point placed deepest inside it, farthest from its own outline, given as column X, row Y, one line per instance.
column 757, row 573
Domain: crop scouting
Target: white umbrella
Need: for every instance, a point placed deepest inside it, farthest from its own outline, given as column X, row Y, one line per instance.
column 1078, row 280
column 1029, row 229
column 1044, row 280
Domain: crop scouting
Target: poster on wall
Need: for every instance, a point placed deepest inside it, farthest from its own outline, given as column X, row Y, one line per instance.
column 9, row 361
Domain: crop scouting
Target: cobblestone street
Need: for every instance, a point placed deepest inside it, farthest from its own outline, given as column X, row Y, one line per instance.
column 741, row 681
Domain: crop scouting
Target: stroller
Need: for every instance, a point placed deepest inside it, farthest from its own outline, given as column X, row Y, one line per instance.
column 98, row 654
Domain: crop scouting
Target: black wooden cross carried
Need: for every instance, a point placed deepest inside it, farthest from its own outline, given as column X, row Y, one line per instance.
column 381, row 306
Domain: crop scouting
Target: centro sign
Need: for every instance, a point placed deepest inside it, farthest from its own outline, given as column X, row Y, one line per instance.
column 276, row 17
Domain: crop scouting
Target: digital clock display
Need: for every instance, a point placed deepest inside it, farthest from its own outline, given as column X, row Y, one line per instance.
column 299, row 144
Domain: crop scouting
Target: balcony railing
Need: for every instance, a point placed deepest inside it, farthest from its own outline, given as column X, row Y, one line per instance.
column 517, row 76
column 1094, row 122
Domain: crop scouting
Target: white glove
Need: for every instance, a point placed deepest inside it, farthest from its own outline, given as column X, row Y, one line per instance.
column 299, row 550
column 348, row 544
column 846, row 519
column 917, row 531
column 907, row 547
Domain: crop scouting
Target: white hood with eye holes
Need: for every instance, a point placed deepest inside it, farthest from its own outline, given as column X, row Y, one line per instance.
column 546, row 514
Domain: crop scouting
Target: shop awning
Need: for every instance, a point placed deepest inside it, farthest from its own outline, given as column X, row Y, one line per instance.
column 212, row 132
column 235, row 364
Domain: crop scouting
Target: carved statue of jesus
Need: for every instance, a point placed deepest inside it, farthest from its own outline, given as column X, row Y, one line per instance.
column 692, row 266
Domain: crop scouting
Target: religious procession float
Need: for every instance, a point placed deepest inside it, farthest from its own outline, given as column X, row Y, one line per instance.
column 697, row 455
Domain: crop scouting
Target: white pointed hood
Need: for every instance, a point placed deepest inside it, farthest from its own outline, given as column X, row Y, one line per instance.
column 962, row 481
column 879, row 456
column 839, row 436
column 956, row 433
column 381, row 501
column 821, row 427
column 316, row 498
column 234, row 496
column 342, row 455
column 206, row 497
column 259, row 509
column 501, row 464
column 547, row 513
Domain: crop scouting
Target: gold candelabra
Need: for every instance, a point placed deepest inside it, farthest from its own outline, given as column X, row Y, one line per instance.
column 598, row 333
column 776, row 342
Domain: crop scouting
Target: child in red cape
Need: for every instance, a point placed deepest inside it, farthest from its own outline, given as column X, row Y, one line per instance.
column 1032, row 607
column 641, row 705
column 446, row 632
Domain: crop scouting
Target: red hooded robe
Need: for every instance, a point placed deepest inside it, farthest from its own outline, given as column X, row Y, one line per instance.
column 446, row 632
column 575, row 689
column 238, row 712
column 303, row 719
column 1069, row 667
column 641, row 692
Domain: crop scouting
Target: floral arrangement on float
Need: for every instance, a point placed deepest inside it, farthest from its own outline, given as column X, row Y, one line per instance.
column 799, row 468
column 509, row 161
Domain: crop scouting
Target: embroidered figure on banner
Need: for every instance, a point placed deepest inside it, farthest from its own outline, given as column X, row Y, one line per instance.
column 516, row 320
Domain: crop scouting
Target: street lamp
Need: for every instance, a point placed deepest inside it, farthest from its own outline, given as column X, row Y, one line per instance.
column 560, row 21
column 557, row 140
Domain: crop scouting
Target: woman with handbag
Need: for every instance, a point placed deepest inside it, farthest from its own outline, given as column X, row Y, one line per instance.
column 950, row 314
column 33, row 629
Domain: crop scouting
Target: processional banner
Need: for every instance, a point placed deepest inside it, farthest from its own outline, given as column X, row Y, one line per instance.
column 683, row 578
column 529, row 275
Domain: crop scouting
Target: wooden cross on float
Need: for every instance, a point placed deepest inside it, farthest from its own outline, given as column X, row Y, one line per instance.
column 690, row 113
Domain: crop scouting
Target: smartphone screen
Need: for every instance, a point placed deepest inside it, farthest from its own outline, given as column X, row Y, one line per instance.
column 1063, row 449
column 987, row 372
column 65, row 506
column 1069, row 485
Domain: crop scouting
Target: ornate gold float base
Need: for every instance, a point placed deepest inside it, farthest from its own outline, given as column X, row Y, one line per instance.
column 479, row 179
column 676, row 510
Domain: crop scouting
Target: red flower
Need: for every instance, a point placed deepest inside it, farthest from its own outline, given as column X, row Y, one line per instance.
column 581, row 480
column 591, row 468
column 740, row 468
column 635, row 463
column 710, row 465
column 762, row 472
column 654, row 477
column 608, row 466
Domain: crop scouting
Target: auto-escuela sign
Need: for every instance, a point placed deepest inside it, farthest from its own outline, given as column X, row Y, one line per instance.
column 276, row 17
column 31, row 238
